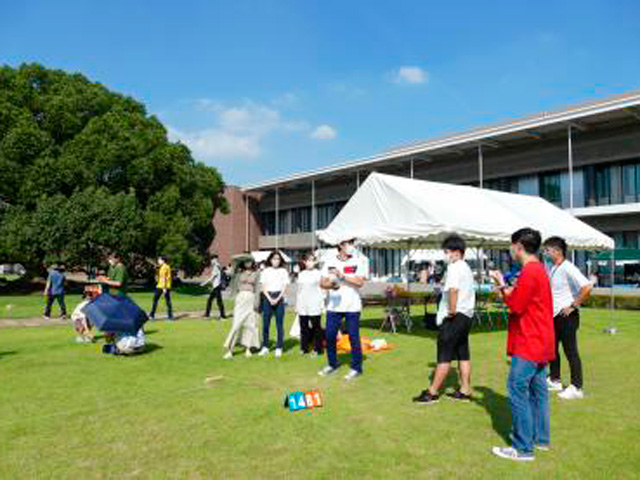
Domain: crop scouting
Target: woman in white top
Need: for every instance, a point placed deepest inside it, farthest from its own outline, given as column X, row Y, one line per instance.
column 274, row 280
column 309, row 304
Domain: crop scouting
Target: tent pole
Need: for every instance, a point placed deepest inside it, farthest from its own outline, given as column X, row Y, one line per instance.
column 612, row 300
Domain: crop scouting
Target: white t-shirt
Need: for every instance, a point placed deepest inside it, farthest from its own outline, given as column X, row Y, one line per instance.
column 274, row 279
column 347, row 297
column 566, row 282
column 460, row 277
column 310, row 297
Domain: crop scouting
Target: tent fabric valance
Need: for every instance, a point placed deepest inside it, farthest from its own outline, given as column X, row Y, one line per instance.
column 396, row 212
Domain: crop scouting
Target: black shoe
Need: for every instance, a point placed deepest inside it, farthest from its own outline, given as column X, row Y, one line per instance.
column 459, row 396
column 426, row 398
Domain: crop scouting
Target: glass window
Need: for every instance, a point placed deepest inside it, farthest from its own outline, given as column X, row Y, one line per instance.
column 325, row 215
column 284, row 225
column 616, row 184
column 603, row 186
column 528, row 185
column 301, row 221
column 629, row 183
column 268, row 223
column 630, row 239
column 550, row 188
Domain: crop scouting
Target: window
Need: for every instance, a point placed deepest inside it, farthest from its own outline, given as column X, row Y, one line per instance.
column 301, row 220
column 284, row 225
column 550, row 188
column 603, row 186
column 615, row 175
column 325, row 215
column 268, row 223
column 629, row 183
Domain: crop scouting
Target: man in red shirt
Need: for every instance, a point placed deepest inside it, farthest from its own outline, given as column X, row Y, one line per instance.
column 531, row 345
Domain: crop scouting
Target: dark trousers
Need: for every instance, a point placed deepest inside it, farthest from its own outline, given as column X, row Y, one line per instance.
column 269, row 311
column 310, row 331
column 217, row 294
column 167, row 301
column 566, row 329
column 352, row 319
column 50, row 298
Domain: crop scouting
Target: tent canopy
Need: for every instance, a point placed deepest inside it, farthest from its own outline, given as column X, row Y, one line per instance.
column 396, row 212
column 260, row 256
column 437, row 255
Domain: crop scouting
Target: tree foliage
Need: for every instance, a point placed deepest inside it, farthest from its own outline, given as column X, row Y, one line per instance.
column 84, row 170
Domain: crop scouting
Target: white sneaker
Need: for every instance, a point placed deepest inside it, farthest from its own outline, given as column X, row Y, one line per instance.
column 326, row 371
column 248, row 353
column 353, row 374
column 79, row 339
column 511, row 453
column 263, row 352
column 554, row 385
column 571, row 393
column 278, row 352
column 228, row 356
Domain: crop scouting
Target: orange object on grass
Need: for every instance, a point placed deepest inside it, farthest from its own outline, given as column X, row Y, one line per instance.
column 343, row 345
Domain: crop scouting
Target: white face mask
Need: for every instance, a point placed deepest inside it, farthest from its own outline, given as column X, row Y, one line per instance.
column 350, row 249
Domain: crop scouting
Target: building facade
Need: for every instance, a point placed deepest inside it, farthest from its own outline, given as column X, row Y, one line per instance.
column 584, row 158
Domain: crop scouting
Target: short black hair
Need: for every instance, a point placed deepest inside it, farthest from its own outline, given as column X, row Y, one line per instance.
column 558, row 243
column 454, row 243
column 529, row 238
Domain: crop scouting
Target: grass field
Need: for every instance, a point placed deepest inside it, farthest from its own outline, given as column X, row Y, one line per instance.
column 68, row 411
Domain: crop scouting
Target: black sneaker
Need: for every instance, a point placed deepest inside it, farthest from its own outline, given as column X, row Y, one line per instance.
column 426, row 398
column 459, row 396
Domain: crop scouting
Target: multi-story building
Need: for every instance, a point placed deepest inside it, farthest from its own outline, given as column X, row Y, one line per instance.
column 584, row 158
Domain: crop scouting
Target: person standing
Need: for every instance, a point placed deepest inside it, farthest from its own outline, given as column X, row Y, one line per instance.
column 54, row 290
column 163, row 287
column 454, row 318
column 117, row 280
column 274, row 280
column 343, row 276
column 244, row 329
column 215, row 278
column 570, row 289
column 309, row 303
column 531, row 345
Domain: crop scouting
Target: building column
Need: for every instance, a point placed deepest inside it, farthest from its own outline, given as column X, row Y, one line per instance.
column 313, row 215
column 277, row 217
column 480, row 166
column 246, row 223
column 570, row 166
column 411, row 167
column 358, row 179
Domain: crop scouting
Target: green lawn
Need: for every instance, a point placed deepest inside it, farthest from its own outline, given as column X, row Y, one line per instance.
column 31, row 306
column 67, row 410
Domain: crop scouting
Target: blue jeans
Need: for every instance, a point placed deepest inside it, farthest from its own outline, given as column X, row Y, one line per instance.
column 268, row 311
column 529, row 398
column 334, row 319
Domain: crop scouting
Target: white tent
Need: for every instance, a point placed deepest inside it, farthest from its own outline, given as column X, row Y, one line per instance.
column 397, row 212
column 437, row 255
column 260, row 256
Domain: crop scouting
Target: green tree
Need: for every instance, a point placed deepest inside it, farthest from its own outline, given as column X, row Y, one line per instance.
column 85, row 171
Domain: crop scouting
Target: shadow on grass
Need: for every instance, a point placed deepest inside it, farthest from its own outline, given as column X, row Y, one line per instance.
column 498, row 408
column 8, row 353
column 152, row 347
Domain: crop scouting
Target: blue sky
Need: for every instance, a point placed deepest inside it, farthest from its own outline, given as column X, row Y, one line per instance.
column 265, row 88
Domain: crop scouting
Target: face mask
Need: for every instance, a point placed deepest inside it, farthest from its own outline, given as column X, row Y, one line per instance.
column 350, row 250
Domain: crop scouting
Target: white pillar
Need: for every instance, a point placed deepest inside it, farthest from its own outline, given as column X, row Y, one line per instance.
column 570, row 161
column 313, row 215
column 246, row 222
column 277, row 217
column 480, row 166
column 411, row 167
column 358, row 179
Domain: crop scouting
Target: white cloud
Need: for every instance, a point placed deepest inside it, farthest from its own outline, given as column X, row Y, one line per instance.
column 324, row 132
column 410, row 75
column 237, row 131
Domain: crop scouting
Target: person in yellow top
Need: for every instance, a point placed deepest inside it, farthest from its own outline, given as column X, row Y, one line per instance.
column 163, row 287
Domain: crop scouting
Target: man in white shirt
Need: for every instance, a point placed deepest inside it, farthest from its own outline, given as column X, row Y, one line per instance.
column 343, row 276
column 570, row 289
column 454, row 318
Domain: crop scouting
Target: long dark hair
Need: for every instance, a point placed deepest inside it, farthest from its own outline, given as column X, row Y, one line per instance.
column 273, row 254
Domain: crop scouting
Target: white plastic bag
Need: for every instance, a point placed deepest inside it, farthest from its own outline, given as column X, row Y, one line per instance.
column 295, row 328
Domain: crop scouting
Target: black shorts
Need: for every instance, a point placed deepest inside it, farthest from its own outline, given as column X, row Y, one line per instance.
column 453, row 339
